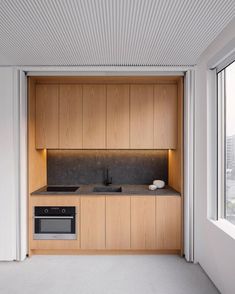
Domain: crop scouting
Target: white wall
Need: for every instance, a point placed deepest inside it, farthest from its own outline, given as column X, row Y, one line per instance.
column 8, row 165
column 214, row 249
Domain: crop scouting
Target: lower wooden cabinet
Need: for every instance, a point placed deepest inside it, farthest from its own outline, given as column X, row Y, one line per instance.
column 93, row 222
column 118, row 222
column 143, row 222
column 131, row 222
column 168, row 222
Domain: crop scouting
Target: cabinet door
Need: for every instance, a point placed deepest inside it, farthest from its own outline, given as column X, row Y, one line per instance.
column 70, row 118
column 117, row 222
column 141, row 117
column 94, row 116
column 143, row 222
column 47, row 116
column 118, row 117
column 93, row 222
column 165, row 116
column 168, row 222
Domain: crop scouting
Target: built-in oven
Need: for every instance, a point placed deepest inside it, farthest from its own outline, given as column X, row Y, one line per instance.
column 55, row 223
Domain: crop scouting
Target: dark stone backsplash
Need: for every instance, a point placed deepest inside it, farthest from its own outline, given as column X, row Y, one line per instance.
column 71, row 167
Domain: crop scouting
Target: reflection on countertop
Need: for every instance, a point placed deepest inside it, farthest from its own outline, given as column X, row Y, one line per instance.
column 126, row 190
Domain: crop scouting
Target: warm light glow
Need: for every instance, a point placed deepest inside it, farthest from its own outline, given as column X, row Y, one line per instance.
column 44, row 152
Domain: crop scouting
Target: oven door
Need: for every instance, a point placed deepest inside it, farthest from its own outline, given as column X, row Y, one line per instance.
column 54, row 228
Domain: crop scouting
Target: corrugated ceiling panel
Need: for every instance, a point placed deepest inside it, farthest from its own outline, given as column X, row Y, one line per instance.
column 109, row 32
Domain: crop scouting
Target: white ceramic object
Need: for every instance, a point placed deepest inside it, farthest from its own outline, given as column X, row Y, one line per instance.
column 152, row 187
column 159, row 184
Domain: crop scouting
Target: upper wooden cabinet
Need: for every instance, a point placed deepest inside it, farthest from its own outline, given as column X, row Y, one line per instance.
column 118, row 117
column 165, row 116
column 107, row 116
column 141, row 117
column 70, row 116
column 47, row 116
column 94, row 116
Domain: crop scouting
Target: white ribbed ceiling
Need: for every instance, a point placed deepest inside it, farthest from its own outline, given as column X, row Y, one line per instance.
column 109, row 32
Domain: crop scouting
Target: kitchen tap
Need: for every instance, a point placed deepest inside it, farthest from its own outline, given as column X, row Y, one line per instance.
column 108, row 180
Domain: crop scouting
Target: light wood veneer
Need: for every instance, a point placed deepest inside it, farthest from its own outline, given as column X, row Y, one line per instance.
column 165, row 116
column 47, row 116
column 141, row 116
column 93, row 222
column 118, row 117
column 112, row 132
column 108, row 115
column 94, row 117
column 70, row 116
column 168, row 222
column 118, row 222
column 143, row 222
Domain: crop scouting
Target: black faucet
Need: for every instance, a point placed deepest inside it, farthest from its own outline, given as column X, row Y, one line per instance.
column 108, row 180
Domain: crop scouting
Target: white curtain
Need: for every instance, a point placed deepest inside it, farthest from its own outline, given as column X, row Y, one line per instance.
column 189, row 106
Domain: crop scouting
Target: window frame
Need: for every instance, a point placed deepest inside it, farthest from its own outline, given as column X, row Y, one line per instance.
column 221, row 143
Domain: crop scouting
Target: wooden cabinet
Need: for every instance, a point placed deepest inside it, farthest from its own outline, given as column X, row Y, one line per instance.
column 70, row 116
column 118, row 117
column 94, row 117
column 47, row 116
column 93, row 222
column 165, row 116
column 168, row 222
column 141, row 116
column 107, row 116
column 118, row 222
column 143, row 222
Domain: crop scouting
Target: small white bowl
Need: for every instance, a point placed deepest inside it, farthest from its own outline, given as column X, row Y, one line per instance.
column 152, row 187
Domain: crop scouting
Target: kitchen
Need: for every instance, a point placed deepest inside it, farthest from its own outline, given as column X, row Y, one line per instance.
column 95, row 146
column 117, row 149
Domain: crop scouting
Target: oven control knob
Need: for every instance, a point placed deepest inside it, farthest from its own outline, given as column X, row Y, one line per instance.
column 46, row 210
column 63, row 210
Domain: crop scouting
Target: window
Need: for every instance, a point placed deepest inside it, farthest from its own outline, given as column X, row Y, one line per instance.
column 226, row 143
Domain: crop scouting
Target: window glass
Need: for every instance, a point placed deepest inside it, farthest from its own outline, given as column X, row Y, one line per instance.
column 229, row 150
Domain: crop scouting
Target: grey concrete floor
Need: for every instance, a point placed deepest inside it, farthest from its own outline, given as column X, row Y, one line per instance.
column 95, row 274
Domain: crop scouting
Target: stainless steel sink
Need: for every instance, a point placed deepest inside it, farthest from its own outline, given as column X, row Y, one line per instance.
column 107, row 189
column 62, row 189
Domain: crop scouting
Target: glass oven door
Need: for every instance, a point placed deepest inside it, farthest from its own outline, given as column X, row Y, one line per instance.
column 54, row 227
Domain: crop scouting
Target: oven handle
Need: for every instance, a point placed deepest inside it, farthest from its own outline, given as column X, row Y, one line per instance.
column 55, row 217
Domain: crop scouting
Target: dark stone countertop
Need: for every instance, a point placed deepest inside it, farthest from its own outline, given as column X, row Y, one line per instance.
column 126, row 190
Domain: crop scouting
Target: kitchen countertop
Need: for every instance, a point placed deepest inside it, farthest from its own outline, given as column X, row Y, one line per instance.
column 126, row 190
